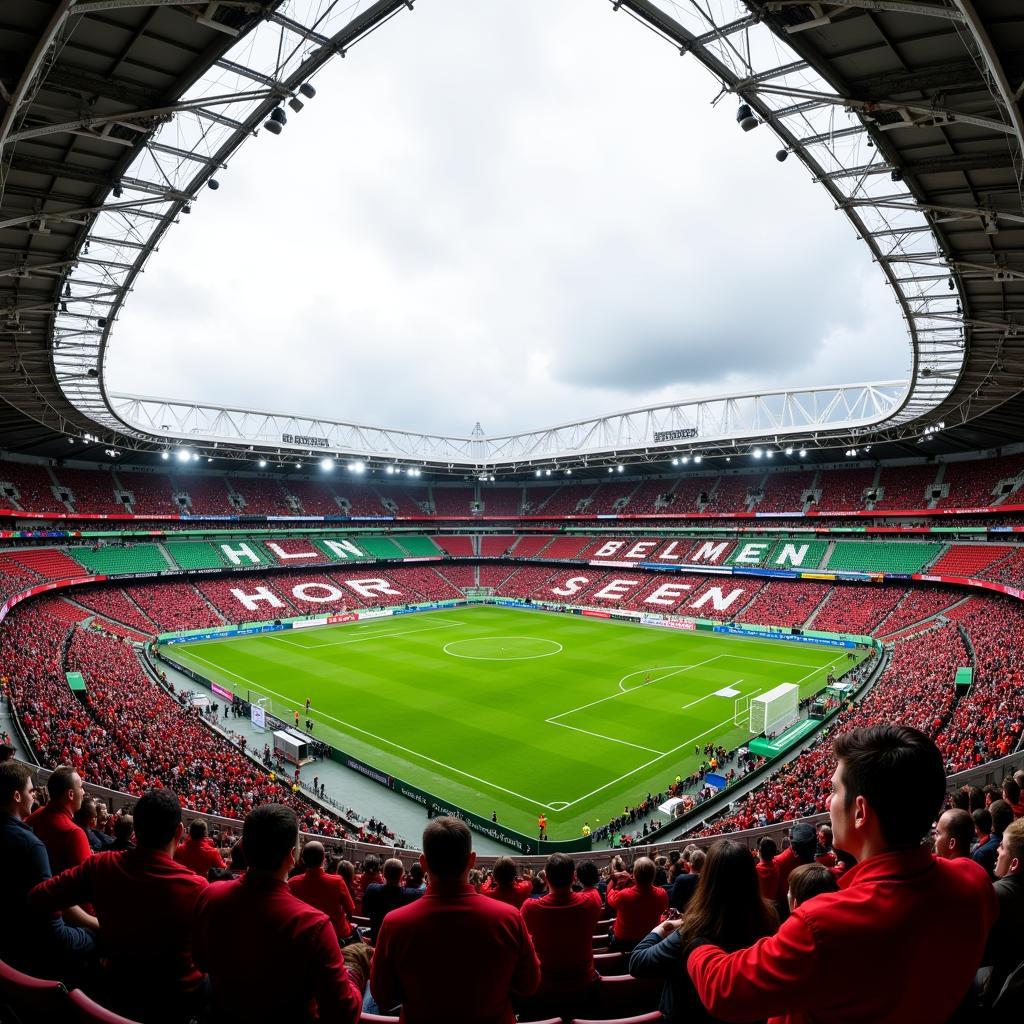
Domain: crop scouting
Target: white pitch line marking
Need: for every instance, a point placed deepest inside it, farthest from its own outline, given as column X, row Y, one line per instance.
column 599, row 736
column 361, row 639
column 379, row 739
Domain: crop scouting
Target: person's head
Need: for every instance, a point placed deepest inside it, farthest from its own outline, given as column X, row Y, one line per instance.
column 982, row 819
column 804, row 842
column 991, row 793
column 767, row 850
column 157, row 820
column 447, row 850
column 809, row 880
column 6, row 752
column 618, row 864
column 371, row 864
column 560, row 872
column 197, row 830
column 504, row 871
column 954, row 833
column 727, row 907
column 87, row 815
column 269, row 836
column 697, row 860
column 313, row 855
column 1011, row 791
column 1002, row 816
column 65, row 788
column 587, row 874
column 644, row 871
column 975, row 798
column 394, row 869
column 887, row 788
column 16, row 789
column 415, row 875
column 347, row 870
column 825, row 837
column 124, row 829
column 1018, row 777
column 1010, row 856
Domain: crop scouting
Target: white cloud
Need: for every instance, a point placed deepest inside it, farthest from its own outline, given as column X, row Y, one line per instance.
column 510, row 211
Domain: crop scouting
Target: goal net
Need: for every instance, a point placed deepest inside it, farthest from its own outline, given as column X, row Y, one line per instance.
column 741, row 711
column 776, row 710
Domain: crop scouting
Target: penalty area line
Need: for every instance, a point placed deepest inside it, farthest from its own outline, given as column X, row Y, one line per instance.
column 600, row 736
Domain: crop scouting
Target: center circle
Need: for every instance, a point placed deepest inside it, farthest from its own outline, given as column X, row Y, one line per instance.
column 503, row 648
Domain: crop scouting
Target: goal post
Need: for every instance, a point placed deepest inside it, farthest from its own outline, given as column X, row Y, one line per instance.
column 741, row 711
column 775, row 711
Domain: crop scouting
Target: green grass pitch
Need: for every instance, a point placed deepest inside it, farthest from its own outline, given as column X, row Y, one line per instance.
column 519, row 712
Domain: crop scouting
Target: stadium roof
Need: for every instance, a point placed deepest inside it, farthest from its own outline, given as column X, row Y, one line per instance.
column 117, row 113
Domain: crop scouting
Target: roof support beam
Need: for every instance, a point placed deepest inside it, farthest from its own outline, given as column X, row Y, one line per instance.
column 896, row 6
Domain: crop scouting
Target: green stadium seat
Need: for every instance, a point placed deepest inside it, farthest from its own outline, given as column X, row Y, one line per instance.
column 381, row 547
column 891, row 556
column 112, row 560
column 419, row 546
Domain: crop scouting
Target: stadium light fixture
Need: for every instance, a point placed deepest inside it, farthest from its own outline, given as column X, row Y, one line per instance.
column 770, row 454
column 782, row 155
column 390, row 470
column 619, row 468
column 611, row 470
column 163, row 455
column 698, row 459
column 568, row 472
column 803, row 453
column 675, row 462
column 307, row 90
column 756, row 453
column 357, row 467
column 536, row 472
column 728, row 458
column 789, row 451
column 686, row 459
column 184, row 455
column 214, row 184
column 547, row 472
column 195, row 456
column 327, row 465
column 745, row 118
column 263, row 463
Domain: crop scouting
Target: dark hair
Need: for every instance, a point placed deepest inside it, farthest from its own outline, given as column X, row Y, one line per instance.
column 898, row 770
column 587, row 874
column 1011, row 791
column 61, row 781
column 371, row 864
column 236, row 857
column 982, row 819
column 124, row 827
column 960, row 826
column 962, row 799
column 157, row 816
column 992, row 790
column 416, row 874
column 313, row 854
column 347, row 870
column 447, row 845
column 197, row 830
column 975, row 798
column 809, row 880
column 559, row 870
column 86, row 813
column 727, row 906
column 767, row 848
column 504, row 871
column 1002, row 816
column 269, row 832
column 13, row 777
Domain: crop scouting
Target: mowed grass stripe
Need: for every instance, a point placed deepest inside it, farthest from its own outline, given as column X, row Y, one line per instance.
column 437, row 716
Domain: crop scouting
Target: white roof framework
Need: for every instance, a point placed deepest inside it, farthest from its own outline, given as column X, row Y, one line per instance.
column 907, row 113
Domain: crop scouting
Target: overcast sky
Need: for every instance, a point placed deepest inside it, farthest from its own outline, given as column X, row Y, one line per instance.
column 513, row 211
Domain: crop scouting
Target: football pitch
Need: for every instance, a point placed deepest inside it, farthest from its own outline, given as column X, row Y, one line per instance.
column 512, row 711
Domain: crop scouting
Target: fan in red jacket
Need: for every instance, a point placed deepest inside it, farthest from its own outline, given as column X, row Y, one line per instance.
column 638, row 908
column 903, row 937
column 197, row 852
column 504, row 885
column 66, row 844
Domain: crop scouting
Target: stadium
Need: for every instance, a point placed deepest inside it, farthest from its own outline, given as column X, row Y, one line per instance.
column 642, row 638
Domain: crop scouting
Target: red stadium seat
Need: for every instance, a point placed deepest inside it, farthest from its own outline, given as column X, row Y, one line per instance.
column 87, row 1011
column 644, row 1018
column 623, row 995
column 31, row 1000
column 611, row 964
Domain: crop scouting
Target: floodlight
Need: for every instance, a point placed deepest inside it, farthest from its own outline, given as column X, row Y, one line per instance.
column 568, row 472
column 101, row 321
column 214, row 184
column 209, row 460
column 327, row 465
column 195, row 456
column 610, row 470
column 756, row 453
column 698, row 459
column 278, row 115
column 803, row 453
column 118, row 192
column 896, row 175
column 357, row 467
column 184, row 455
column 728, row 458
column 298, row 465
column 782, row 155
column 789, row 451
column 296, row 104
column 620, row 467
column 390, row 470
column 770, row 454
column 263, row 463
column 686, row 459
column 547, row 472
column 164, row 455
column 307, row 90
column 273, row 127
column 537, row 473
column 745, row 118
